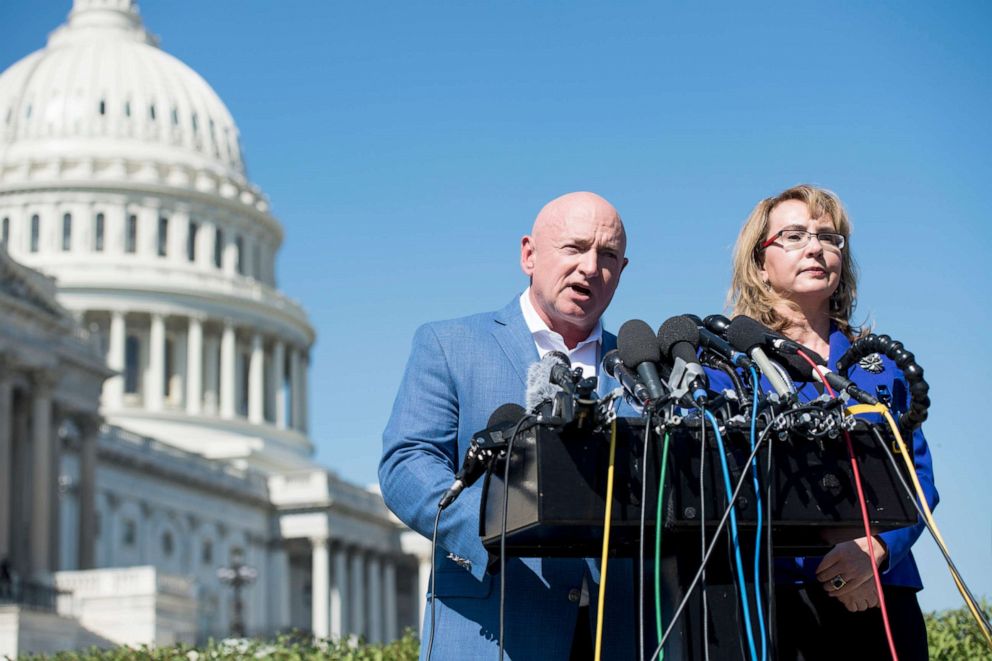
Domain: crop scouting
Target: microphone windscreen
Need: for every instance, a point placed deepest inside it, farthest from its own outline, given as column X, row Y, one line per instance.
column 637, row 343
column 716, row 323
column 539, row 385
column 676, row 330
column 509, row 413
column 744, row 333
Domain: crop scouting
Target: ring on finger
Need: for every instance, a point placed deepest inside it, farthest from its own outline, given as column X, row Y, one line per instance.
column 838, row 582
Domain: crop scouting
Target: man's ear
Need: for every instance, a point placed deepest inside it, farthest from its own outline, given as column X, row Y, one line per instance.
column 625, row 262
column 527, row 255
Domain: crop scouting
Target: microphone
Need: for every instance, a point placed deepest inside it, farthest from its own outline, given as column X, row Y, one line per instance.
column 713, row 342
column 748, row 336
column 796, row 365
column 639, row 350
column 678, row 339
column 717, row 323
column 614, row 366
column 481, row 450
column 545, row 379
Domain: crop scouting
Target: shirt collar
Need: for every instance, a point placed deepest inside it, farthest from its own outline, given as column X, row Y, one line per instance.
column 539, row 329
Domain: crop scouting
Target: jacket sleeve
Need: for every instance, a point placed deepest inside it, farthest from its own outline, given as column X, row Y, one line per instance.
column 899, row 542
column 420, row 454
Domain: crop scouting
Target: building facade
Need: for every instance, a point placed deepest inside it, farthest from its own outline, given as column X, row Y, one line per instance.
column 181, row 439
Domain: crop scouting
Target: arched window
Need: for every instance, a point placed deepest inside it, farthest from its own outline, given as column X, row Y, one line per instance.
column 194, row 227
column 239, row 246
column 131, row 234
column 219, row 248
column 132, row 358
column 163, row 236
column 98, row 230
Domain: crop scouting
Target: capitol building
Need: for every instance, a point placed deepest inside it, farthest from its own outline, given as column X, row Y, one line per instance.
column 153, row 378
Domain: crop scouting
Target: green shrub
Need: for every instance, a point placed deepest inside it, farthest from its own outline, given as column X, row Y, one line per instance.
column 954, row 635
column 290, row 647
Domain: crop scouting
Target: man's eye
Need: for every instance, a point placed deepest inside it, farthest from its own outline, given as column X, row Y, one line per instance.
column 571, row 250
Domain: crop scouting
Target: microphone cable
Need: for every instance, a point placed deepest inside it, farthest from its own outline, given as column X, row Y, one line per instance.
column 758, row 513
column 430, row 639
column 926, row 514
column 735, row 539
column 607, row 519
column 643, row 528
column 657, row 539
column 720, row 526
column 704, row 597
column 876, row 574
column 502, row 532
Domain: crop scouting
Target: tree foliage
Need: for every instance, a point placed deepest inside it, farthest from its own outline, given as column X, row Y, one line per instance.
column 954, row 635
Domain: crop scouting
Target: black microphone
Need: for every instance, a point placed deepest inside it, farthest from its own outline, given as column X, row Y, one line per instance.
column 795, row 364
column 748, row 336
column 482, row 449
column 713, row 342
column 717, row 323
column 614, row 366
column 639, row 350
column 678, row 339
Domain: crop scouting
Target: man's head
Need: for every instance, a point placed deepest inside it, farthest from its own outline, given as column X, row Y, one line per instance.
column 574, row 257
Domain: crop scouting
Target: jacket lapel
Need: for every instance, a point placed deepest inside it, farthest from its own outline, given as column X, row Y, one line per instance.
column 514, row 338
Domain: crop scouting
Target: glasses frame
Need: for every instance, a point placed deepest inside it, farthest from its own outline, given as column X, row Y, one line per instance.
column 809, row 237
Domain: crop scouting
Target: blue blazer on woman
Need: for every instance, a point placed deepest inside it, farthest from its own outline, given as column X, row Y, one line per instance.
column 899, row 568
column 458, row 373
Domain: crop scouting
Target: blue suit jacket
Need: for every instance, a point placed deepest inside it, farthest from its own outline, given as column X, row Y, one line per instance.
column 900, row 567
column 458, row 373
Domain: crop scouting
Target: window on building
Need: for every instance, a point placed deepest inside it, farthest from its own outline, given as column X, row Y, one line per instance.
column 102, row 109
column 35, row 232
column 191, row 241
column 5, row 231
column 98, row 230
column 127, row 108
column 207, row 552
column 239, row 248
column 170, row 366
column 163, row 236
column 219, row 248
column 131, row 234
column 151, row 112
column 66, row 232
column 256, row 261
column 132, row 358
column 168, row 544
column 244, row 364
column 175, row 117
column 130, row 533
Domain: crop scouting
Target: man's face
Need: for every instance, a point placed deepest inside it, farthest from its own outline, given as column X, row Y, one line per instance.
column 574, row 257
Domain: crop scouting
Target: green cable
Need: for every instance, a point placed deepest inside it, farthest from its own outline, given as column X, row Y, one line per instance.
column 657, row 545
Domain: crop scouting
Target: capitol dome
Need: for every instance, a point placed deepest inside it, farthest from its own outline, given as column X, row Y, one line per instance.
column 121, row 176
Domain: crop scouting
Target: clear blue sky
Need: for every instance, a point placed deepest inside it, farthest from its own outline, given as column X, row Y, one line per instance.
column 406, row 147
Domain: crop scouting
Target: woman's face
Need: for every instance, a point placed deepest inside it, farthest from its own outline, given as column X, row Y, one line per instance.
column 809, row 274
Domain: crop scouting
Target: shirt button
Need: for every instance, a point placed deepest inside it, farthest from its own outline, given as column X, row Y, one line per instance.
column 574, row 595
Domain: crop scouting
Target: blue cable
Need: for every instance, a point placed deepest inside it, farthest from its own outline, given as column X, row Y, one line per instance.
column 733, row 536
column 757, row 536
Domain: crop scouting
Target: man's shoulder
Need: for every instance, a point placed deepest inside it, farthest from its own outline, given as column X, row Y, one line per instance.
column 473, row 323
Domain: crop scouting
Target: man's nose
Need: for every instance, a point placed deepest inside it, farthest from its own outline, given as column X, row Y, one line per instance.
column 589, row 264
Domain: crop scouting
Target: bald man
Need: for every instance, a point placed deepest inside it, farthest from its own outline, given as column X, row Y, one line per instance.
column 458, row 373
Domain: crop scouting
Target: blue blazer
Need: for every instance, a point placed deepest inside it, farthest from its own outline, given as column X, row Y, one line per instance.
column 900, row 566
column 458, row 373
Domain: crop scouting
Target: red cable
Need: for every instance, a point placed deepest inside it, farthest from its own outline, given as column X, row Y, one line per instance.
column 864, row 516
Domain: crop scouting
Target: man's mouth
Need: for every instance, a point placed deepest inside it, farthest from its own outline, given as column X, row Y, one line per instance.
column 579, row 289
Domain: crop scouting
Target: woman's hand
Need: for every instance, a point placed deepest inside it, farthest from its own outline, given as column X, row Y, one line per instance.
column 846, row 573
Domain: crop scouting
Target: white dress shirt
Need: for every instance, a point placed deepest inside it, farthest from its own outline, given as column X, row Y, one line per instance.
column 584, row 355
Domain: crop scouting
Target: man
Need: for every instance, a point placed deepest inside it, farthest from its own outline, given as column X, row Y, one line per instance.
column 459, row 372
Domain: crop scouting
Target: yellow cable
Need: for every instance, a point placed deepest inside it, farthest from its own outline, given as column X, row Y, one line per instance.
column 907, row 458
column 606, row 541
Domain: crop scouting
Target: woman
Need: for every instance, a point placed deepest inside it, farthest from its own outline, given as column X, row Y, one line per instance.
column 793, row 271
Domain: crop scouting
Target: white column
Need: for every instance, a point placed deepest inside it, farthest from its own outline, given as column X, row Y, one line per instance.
column 212, row 383
column 294, row 385
column 389, row 599
column 114, row 386
column 178, row 235
column 194, row 366
column 279, row 378
column 339, row 588
column 256, row 389
column 424, row 582
column 227, row 367
column 357, row 593
column 6, row 454
column 229, row 258
column 205, row 238
column 375, row 599
column 156, row 364
column 43, row 490
column 304, row 392
column 320, row 582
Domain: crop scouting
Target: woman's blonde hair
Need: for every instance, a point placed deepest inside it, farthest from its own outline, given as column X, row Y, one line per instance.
column 750, row 295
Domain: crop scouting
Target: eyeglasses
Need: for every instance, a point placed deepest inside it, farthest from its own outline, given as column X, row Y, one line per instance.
column 792, row 239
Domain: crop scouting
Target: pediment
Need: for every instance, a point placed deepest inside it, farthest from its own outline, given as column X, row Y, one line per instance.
column 30, row 288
